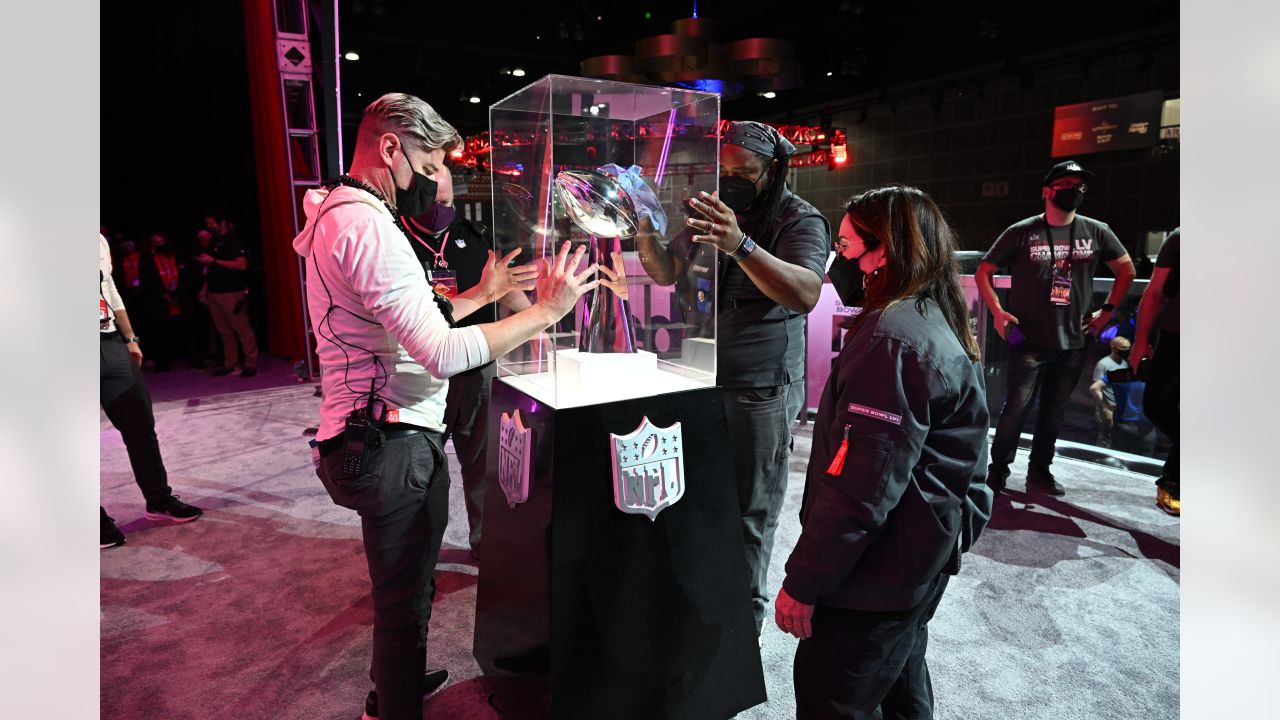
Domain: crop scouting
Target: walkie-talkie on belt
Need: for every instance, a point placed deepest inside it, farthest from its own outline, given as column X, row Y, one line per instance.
column 360, row 436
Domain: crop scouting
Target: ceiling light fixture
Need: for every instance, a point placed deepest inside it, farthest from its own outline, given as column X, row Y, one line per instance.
column 518, row 72
column 769, row 95
column 352, row 56
column 474, row 100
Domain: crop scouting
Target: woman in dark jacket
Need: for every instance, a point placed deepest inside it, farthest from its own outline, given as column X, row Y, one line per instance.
column 896, row 482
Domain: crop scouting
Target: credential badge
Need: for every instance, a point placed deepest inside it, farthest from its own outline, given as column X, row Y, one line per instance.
column 514, row 451
column 648, row 469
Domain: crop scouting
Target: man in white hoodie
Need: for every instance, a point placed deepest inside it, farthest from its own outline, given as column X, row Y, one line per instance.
column 387, row 345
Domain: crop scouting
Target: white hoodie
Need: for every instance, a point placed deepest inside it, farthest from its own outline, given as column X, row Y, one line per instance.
column 378, row 302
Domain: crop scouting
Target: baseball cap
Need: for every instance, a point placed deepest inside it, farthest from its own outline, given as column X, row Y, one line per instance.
column 1063, row 169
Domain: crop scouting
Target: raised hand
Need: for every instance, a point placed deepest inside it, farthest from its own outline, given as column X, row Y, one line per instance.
column 560, row 285
column 616, row 278
column 720, row 228
column 498, row 278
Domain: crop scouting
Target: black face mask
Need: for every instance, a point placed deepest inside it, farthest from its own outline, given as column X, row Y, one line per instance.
column 738, row 193
column 1068, row 199
column 848, row 279
column 419, row 197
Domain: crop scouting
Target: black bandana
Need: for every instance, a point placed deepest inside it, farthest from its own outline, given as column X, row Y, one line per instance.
column 759, row 138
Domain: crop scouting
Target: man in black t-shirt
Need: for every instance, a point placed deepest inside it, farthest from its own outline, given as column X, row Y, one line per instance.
column 773, row 250
column 455, row 250
column 227, row 289
column 1159, row 325
column 1052, row 258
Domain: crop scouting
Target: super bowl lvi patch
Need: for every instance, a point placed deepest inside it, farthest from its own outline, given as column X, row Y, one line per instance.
column 873, row 413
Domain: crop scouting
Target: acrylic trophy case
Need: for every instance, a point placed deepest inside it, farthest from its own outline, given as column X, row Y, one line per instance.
column 611, row 556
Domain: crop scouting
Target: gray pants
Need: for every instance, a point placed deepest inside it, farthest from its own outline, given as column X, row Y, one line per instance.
column 759, row 422
column 466, row 419
column 403, row 502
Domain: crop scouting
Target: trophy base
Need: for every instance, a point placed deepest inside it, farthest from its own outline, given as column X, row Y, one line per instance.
column 593, row 378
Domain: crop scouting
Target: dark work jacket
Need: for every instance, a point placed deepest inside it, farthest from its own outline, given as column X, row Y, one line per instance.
column 912, row 493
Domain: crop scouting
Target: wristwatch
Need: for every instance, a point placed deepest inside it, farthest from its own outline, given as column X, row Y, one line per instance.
column 1108, row 307
column 133, row 339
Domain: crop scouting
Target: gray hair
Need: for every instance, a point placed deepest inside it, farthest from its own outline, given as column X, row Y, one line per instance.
column 408, row 116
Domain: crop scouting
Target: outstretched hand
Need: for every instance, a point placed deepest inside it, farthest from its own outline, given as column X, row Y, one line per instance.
column 498, row 278
column 560, row 285
column 616, row 277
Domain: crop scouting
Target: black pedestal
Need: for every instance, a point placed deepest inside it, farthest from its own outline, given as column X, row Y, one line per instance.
column 625, row 617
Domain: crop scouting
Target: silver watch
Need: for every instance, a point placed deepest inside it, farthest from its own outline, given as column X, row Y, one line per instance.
column 133, row 339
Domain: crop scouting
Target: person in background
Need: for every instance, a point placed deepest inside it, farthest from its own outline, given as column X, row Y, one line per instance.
column 127, row 404
column 895, row 490
column 458, row 250
column 161, row 273
column 1155, row 353
column 202, row 337
column 228, row 295
column 1104, row 397
column 1052, row 258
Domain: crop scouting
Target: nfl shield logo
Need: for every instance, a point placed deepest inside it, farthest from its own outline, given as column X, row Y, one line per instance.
column 514, row 449
column 648, row 469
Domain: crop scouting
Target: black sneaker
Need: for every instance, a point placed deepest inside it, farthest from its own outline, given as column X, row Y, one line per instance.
column 432, row 681
column 996, row 479
column 248, row 373
column 173, row 509
column 222, row 371
column 110, row 535
column 534, row 662
column 1043, row 480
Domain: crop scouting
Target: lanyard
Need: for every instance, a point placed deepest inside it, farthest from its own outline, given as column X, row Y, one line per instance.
column 1053, row 251
column 439, row 261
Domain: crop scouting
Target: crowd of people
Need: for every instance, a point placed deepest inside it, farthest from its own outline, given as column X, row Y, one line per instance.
column 900, row 480
column 188, row 300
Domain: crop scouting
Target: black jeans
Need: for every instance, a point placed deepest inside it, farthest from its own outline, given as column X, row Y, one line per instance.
column 125, row 399
column 759, row 422
column 867, row 665
column 1053, row 375
column 1161, row 401
column 403, row 502
column 466, row 419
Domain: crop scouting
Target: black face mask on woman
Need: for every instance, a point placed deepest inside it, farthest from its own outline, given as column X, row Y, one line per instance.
column 848, row 279
column 738, row 193
column 419, row 196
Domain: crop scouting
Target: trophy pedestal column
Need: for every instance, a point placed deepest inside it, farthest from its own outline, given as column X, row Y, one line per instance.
column 621, row 616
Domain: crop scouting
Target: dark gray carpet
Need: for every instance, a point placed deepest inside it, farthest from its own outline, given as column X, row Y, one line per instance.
column 1067, row 608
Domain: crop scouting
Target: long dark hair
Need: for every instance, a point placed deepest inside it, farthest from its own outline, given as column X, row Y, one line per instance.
column 771, row 199
column 919, row 255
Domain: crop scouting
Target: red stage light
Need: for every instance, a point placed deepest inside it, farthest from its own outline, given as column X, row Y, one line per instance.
column 457, row 154
column 840, row 154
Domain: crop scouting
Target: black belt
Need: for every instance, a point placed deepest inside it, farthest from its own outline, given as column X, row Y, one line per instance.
column 109, row 335
column 737, row 303
column 389, row 432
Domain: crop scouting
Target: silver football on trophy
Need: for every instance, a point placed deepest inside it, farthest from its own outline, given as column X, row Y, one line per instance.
column 597, row 203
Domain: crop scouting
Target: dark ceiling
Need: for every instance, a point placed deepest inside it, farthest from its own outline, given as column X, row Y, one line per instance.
column 448, row 52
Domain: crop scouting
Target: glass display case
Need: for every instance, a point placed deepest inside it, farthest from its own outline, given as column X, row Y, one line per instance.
column 608, row 165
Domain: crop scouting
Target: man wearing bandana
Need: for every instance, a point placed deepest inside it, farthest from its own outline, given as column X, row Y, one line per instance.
column 773, row 247
column 1052, row 257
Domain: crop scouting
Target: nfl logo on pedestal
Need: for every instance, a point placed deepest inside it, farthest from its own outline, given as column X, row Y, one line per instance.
column 648, row 469
column 514, row 449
